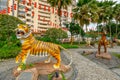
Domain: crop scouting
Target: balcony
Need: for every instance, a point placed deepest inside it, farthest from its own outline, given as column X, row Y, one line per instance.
column 43, row 26
column 44, row 3
column 29, row 23
column 22, row 19
column 44, row 22
column 21, row 4
column 21, row 15
column 28, row 17
column 44, row 11
column 45, row 15
column 44, row 19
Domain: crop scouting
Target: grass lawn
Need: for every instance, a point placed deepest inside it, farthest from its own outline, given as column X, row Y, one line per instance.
column 69, row 46
column 116, row 55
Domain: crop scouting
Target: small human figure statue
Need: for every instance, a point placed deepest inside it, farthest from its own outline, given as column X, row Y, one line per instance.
column 88, row 41
column 103, row 42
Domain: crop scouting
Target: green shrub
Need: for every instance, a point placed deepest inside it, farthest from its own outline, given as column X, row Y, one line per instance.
column 116, row 55
column 9, row 45
column 47, row 39
column 82, row 42
column 54, row 35
column 10, row 50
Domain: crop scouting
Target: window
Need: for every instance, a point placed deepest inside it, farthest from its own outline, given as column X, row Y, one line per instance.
column 28, row 14
column 28, row 20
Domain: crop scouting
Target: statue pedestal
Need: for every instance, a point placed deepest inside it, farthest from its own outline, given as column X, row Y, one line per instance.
column 87, row 52
column 40, row 68
column 104, row 55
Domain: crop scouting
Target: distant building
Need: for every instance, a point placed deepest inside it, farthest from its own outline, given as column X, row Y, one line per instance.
column 37, row 13
column 12, row 7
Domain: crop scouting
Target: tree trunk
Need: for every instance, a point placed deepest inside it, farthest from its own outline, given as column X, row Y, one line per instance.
column 98, row 29
column 116, row 27
column 71, row 41
column 79, row 37
column 117, row 32
column 110, row 35
column 59, row 12
column 86, row 28
column 110, row 32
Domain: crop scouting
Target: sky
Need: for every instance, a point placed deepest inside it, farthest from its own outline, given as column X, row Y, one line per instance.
column 112, row 0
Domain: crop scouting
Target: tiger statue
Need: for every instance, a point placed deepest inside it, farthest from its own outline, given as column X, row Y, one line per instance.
column 35, row 47
column 103, row 42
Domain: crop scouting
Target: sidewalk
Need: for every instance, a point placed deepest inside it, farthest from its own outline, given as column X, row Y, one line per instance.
column 88, row 70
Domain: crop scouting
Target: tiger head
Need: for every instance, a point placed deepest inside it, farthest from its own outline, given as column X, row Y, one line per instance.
column 22, row 31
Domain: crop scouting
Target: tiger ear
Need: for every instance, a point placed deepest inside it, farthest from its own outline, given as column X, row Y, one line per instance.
column 29, row 26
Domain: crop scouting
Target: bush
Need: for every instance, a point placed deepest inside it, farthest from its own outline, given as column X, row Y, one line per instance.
column 9, row 45
column 83, row 42
column 45, row 38
column 116, row 55
column 53, row 35
column 9, row 51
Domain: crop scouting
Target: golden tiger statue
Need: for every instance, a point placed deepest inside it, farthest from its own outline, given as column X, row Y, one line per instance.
column 34, row 47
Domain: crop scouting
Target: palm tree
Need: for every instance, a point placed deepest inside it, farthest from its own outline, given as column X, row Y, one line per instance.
column 101, row 15
column 109, row 12
column 83, row 16
column 94, row 9
column 117, row 15
column 106, row 12
column 86, row 12
column 60, row 4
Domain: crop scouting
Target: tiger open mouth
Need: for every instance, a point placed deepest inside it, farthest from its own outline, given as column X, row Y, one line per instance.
column 20, row 33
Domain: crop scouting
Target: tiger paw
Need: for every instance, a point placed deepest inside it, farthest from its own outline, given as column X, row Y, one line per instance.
column 19, row 69
column 16, row 61
column 47, row 61
column 56, row 66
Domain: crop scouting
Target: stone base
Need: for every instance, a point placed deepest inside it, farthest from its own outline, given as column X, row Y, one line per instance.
column 87, row 52
column 47, row 68
column 30, row 74
column 104, row 55
column 40, row 68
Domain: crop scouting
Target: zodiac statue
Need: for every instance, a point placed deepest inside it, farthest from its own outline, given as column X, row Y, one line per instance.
column 31, row 46
column 103, row 42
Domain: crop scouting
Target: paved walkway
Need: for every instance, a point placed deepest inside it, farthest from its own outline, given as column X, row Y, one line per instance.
column 115, row 49
column 87, row 70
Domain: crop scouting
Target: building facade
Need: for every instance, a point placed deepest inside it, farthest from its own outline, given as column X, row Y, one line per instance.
column 12, row 7
column 38, row 14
